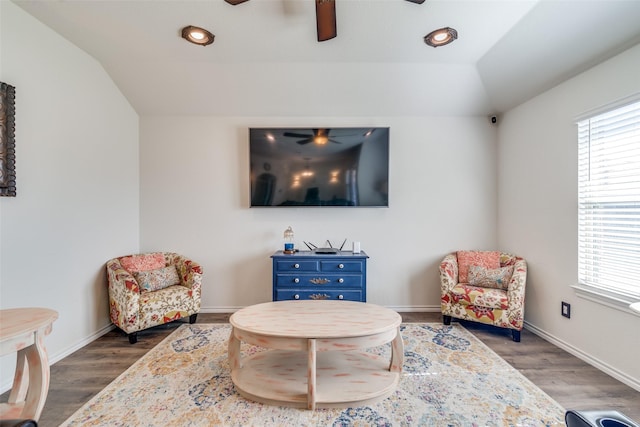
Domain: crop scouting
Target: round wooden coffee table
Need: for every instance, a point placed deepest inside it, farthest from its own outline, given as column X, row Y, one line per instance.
column 315, row 356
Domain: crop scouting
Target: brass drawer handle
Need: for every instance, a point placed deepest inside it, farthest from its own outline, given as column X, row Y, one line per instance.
column 318, row 296
column 319, row 281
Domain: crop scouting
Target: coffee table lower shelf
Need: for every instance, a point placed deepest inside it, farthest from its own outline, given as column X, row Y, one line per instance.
column 343, row 378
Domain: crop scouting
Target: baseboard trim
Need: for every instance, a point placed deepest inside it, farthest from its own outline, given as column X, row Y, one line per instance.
column 419, row 308
column 595, row 362
column 219, row 310
column 398, row 308
column 78, row 345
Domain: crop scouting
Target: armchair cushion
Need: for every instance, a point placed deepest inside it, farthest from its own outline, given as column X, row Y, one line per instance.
column 160, row 278
column 143, row 262
column 487, row 259
column 497, row 278
column 478, row 297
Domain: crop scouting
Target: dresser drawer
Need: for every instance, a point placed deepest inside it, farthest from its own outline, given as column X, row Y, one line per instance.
column 341, row 266
column 318, row 280
column 294, row 265
column 294, row 294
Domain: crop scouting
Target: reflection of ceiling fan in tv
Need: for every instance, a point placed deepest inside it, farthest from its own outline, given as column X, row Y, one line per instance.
column 325, row 17
column 320, row 137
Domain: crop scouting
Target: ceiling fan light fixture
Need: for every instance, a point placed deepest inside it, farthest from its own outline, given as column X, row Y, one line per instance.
column 321, row 139
column 441, row 37
column 197, row 35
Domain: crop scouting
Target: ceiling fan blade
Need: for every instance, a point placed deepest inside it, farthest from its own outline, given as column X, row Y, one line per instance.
column 326, row 19
column 305, row 141
column 296, row 135
column 334, row 141
column 413, row 1
column 235, row 2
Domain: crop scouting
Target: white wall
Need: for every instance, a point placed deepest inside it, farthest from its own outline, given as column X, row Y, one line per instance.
column 538, row 214
column 77, row 183
column 195, row 196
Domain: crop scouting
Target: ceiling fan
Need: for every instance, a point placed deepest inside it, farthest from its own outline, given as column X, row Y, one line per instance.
column 320, row 137
column 325, row 17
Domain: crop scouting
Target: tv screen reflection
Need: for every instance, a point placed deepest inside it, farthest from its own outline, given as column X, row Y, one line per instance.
column 319, row 167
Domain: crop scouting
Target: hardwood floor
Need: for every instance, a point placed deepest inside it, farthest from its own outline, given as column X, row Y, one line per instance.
column 570, row 381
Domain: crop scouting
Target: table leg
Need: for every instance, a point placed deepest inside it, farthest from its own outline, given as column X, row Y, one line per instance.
column 20, row 378
column 234, row 351
column 38, row 361
column 397, row 353
column 311, row 374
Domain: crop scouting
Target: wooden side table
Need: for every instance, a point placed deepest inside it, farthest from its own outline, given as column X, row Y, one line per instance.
column 22, row 330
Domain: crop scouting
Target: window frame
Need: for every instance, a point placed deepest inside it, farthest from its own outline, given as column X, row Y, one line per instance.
column 614, row 298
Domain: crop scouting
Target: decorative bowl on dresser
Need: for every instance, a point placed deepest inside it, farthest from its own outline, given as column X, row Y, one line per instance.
column 309, row 275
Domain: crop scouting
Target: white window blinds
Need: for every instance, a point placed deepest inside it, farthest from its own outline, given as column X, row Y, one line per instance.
column 609, row 202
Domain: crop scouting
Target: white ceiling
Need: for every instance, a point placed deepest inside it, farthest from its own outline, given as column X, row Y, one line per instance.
column 266, row 60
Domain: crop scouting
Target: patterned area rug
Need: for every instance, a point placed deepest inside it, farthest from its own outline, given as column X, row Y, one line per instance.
column 450, row 378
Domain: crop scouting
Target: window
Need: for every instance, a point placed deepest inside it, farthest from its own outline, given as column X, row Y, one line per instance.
column 609, row 205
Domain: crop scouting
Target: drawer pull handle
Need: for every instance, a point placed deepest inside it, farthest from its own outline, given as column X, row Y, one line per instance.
column 319, row 281
column 296, row 265
column 296, row 280
column 318, row 296
column 340, row 297
column 340, row 266
column 341, row 280
column 296, row 296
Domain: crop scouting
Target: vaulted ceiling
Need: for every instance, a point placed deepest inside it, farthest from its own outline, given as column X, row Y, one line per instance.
column 266, row 59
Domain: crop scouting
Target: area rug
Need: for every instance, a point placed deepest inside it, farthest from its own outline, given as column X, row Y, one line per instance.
column 449, row 378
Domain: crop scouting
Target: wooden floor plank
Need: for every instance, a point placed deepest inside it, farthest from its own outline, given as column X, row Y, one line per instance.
column 567, row 379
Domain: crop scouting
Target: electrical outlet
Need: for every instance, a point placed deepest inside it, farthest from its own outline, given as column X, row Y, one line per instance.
column 566, row 310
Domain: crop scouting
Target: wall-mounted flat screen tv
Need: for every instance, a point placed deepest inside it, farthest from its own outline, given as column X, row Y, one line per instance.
column 319, row 167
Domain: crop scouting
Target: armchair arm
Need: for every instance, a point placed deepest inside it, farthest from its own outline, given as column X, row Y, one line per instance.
column 518, row 279
column 516, row 293
column 448, row 273
column 124, row 296
column 190, row 272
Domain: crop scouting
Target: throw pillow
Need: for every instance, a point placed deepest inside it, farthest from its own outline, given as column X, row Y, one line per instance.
column 490, row 278
column 507, row 259
column 154, row 280
column 487, row 259
column 144, row 262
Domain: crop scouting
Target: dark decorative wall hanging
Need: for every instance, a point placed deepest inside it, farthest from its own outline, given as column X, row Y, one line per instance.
column 7, row 140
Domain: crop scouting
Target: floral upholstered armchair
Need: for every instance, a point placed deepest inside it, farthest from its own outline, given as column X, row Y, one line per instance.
column 147, row 290
column 484, row 286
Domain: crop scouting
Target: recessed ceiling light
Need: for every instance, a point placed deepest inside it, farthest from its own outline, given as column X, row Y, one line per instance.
column 197, row 35
column 441, row 37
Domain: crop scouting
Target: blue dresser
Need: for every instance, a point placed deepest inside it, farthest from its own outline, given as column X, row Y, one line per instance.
column 309, row 275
